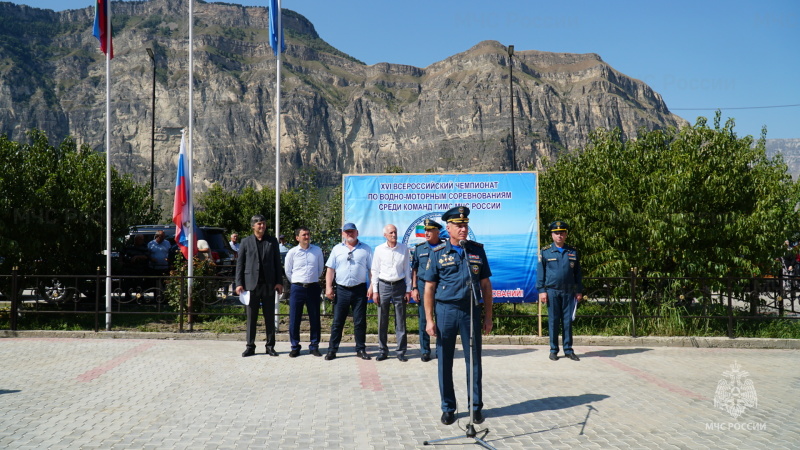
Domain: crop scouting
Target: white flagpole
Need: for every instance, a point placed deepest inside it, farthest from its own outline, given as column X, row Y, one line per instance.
column 190, row 195
column 108, row 166
column 278, row 148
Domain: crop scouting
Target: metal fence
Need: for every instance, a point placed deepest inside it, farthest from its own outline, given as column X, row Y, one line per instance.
column 634, row 298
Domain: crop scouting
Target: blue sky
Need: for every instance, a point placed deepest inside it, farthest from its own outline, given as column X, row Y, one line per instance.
column 739, row 56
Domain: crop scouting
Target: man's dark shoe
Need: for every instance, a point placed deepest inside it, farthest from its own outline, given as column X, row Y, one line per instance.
column 294, row 353
column 363, row 354
column 314, row 352
column 553, row 357
column 426, row 357
column 248, row 352
column 448, row 418
column 271, row 351
column 573, row 357
column 478, row 416
column 402, row 357
column 330, row 356
column 381, row 357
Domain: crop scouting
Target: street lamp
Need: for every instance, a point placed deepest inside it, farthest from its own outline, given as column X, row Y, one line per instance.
column 152, row 132
column 511, row 91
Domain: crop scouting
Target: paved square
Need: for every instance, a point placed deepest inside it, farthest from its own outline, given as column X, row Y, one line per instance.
column 136, row 393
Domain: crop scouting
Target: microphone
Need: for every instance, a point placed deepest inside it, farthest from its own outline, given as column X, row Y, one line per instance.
column 463, row 244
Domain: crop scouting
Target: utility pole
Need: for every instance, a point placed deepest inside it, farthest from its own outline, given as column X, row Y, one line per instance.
column 511, row 91
column 152, row 132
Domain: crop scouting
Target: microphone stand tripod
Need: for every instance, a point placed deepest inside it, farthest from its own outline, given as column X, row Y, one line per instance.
column 470, row 429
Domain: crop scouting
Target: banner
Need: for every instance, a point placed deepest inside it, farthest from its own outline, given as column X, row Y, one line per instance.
column 504, row 217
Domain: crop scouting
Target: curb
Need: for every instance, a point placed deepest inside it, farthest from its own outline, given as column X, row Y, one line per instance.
column 599, row 341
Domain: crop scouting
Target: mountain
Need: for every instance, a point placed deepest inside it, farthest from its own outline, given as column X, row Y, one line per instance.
column 790, row 149
column 338, row 115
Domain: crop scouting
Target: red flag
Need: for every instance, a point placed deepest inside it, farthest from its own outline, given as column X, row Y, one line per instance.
column 102, row 27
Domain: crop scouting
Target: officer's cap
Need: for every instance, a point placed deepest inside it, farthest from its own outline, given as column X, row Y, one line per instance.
column 459, row 214
column 431, row 224
column 559, row 225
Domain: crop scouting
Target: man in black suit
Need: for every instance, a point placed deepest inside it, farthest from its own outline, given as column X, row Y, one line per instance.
column 258, row 270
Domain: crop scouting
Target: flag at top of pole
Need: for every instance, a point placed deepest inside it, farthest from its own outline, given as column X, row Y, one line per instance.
column 181, row 209
column 102, row 28
column 275, row 27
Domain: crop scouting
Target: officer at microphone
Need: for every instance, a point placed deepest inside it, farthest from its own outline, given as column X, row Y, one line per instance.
column 456, row 268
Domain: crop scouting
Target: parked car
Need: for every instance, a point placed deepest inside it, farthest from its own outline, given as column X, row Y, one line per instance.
column 221, row 253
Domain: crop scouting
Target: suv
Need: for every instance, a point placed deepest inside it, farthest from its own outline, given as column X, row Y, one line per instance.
column 221, row 253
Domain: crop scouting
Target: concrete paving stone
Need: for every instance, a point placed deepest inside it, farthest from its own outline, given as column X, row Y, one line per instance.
column 202, row 394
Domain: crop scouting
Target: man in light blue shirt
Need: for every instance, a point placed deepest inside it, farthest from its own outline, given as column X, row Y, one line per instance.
column 349, row 264
column 303, row 267
column 159, row 253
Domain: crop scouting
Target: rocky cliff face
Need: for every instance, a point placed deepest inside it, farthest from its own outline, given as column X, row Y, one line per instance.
column 337, row 114
column 790, row 151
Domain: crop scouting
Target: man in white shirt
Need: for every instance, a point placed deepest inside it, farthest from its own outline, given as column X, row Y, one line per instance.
column 391, row 276
column 234, row 243
column 303, row 267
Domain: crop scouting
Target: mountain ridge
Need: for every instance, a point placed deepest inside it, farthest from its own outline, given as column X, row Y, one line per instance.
column 338, row 115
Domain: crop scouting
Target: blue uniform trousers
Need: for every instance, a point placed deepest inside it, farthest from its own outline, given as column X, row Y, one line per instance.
column 347, row 299
column 560, row 305
column 298, row 297
column 424, row 337
column 452, row 319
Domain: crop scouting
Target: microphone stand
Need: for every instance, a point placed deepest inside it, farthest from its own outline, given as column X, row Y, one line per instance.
column 470, row 429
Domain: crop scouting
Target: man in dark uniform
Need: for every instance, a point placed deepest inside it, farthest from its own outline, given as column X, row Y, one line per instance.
column 419, row 261
column 560, row 285
column 455, row 269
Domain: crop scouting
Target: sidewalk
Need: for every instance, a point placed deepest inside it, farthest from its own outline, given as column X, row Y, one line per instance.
column 63, row 392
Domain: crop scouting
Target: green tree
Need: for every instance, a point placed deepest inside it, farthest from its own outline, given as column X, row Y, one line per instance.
column 53, row 206
column 304, row 205
column 693, row 202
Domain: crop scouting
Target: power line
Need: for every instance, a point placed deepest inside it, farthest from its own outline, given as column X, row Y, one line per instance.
column 737, row 107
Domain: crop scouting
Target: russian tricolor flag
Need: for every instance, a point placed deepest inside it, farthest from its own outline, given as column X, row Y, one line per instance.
column 181, row 212
column 102, row 28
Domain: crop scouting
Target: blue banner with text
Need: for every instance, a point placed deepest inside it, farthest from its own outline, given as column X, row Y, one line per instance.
column 504, row 217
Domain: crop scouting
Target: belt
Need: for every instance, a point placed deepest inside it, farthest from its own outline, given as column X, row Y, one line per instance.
column 353, row 286
column 307, row 285
column 392, row 283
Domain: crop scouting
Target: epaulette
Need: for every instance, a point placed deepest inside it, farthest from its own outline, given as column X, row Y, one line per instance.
column 439, row 247
column 569, row 247
column 547, row 247
column 477, row 244
column 421, row 243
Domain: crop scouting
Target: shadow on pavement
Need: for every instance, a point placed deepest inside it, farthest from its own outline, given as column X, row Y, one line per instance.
column 500, row 352
column 544, row 404
column 9, row 391
column 613, row 353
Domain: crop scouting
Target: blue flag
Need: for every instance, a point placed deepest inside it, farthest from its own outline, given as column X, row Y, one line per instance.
column 274, row 15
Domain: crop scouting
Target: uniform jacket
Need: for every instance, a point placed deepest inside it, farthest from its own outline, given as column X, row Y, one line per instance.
column 447, row 268
column 247, row 265
column 419, row 262
column 559, row 270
